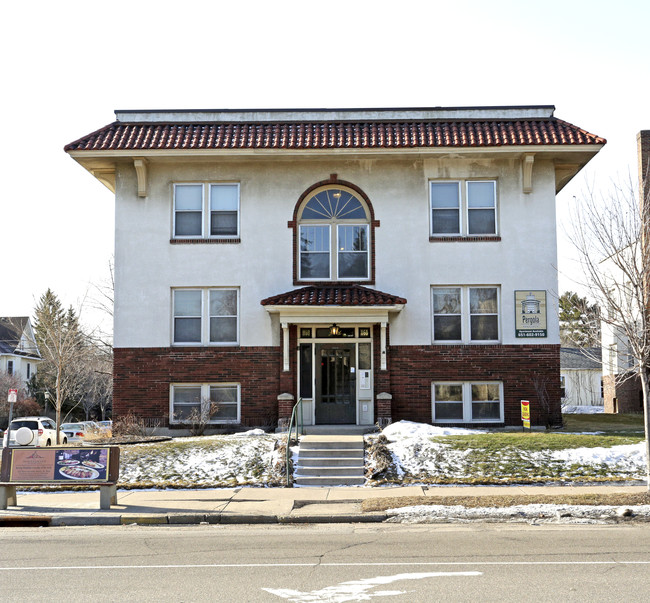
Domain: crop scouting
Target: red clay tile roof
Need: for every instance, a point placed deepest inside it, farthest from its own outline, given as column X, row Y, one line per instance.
column 120, row 136
column 333, row 295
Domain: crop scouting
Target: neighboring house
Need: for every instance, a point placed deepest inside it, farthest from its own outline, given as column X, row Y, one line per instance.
column 581, row 377
column 19, row 353
column 623, row 392
column 379, row 264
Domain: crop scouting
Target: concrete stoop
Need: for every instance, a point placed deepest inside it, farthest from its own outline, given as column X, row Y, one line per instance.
column 330, row 460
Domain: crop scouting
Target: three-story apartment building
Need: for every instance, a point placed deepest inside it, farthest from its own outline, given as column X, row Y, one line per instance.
column 379, row 264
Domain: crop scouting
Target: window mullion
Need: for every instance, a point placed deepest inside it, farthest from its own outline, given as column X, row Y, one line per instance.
column 205, row 223
column 205, row 318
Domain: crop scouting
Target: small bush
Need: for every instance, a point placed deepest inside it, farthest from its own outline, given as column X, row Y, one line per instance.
column 129, row 425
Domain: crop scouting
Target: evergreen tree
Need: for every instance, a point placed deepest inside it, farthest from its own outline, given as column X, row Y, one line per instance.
column 579, row 321
column 61, row 343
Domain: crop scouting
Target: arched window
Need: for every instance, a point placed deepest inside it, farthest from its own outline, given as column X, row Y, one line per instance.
column 333, row 236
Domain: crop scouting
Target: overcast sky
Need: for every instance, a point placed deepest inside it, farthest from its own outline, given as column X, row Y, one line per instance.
column 68, row 65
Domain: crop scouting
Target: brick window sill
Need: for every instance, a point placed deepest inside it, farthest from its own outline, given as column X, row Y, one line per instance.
column 204, row 241
column 470, row 239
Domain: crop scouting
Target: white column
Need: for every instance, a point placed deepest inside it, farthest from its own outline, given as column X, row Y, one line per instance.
column 285, row 346
column 383, row 346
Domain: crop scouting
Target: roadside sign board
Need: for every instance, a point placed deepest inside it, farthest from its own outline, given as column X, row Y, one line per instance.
column 61, row 464
column 525, row 413
column 13, row 395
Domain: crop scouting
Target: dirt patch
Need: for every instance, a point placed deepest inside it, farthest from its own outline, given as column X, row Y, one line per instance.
column 507, row 500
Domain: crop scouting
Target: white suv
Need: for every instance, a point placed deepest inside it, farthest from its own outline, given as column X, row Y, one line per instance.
column 33, row 431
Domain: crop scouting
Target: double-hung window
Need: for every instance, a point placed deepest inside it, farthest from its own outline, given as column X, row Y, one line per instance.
column 463, row 208
column 205, row 403
column 205, row 316
column 206, row 210
column 333, row 237
column 467, row 402
column 465, row 314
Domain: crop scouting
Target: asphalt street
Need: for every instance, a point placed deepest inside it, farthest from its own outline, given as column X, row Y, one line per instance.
column 335, row 563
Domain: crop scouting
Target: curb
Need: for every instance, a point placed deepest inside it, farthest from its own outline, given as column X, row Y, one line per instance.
column 159, row 519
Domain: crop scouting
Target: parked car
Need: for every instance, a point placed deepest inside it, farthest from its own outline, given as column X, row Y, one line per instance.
column 106, row 426
column 33, row 431
column 95, row 427
column 76, row 432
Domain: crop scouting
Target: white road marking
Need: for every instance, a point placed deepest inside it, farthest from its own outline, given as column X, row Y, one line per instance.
column 357, row 590
column 379, row 564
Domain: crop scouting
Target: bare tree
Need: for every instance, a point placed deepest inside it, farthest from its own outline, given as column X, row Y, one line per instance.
column 100, row 388
column 610, row 234
column 63, row 347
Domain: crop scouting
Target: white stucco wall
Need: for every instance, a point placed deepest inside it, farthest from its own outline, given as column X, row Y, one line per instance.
column 147, row 266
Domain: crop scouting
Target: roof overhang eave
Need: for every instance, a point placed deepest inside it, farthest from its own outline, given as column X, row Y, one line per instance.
column 83, row 156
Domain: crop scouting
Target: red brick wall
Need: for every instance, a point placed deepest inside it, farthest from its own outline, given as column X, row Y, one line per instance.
column 413, row 368
column 624, row 397
column 141, row 378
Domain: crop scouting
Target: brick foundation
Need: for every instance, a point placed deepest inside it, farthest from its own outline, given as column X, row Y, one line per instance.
column 142, row 376
column 413, row 368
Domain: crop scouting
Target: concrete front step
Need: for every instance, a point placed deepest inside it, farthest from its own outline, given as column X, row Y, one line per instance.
column 323, row 461
column 329, row 471
column 306, row 443
column 330, row 453
column 314, row 481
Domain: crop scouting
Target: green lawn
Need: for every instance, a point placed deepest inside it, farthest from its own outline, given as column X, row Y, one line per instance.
column 610, row 423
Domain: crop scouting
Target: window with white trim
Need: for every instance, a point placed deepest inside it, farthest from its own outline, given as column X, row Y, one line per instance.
column 206, row 210
column 205, row 403
column 467, row 402
column 333, row 236
column 463, row 207
column 205, row 316
column 465, row 314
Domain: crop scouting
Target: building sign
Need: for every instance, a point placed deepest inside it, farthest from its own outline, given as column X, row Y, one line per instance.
column 52, row 464
column 530, row 313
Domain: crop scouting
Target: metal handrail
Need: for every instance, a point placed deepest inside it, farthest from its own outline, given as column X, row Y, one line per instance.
column 294, row 415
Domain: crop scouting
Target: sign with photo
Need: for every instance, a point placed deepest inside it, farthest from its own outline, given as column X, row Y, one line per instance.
column 530, row 313
column 60, row 464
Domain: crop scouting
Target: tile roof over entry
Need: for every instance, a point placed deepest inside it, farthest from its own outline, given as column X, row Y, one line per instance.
column 291, row 130
column 334, row 295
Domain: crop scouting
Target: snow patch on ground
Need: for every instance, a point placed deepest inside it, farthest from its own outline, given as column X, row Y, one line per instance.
column 415, row 453
column 408, row 429
column 583, row 410
column 523, row 513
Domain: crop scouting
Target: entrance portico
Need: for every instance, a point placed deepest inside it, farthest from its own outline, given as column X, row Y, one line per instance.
column 341, row 344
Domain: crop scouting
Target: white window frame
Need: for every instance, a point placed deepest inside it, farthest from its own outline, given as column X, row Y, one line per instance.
column 206, row 212
column 466, row 316
column 467, row 402
column 205, row 395
column 327, row 225
column 463, row 208
column 339, row 251
column 205, row 317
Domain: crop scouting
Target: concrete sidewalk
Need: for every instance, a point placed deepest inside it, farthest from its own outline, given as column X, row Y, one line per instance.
column 244, row 505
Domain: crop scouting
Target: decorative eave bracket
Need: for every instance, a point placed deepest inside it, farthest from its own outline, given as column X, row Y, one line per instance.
column 140, row 164
column 106, row 175
column 527, row 172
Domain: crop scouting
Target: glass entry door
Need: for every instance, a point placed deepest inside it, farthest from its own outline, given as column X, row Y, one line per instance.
column 336, row 384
